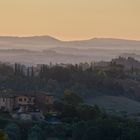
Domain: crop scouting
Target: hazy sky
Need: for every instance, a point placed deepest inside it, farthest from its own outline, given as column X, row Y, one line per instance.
column 71, row 19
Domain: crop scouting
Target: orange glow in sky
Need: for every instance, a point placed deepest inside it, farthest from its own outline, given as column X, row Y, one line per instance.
column 71, row 19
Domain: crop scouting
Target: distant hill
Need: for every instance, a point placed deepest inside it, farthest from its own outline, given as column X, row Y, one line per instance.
column 45, row 40
column 39, row 42
column 116, row 104
column 106, row 42
column 127, row 62
column 46, row 49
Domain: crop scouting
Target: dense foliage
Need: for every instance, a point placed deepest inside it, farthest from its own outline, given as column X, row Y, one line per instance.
column 78, row 121
column 97, row 128
column 87, row 83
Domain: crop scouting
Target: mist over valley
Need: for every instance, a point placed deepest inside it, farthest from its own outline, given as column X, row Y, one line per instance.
column 46, row 49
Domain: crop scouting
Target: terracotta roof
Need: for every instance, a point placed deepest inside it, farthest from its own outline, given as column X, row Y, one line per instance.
column 23, row 93
column 45, row 93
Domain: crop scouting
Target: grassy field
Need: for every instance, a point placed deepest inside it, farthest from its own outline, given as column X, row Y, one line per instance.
column 116, row 104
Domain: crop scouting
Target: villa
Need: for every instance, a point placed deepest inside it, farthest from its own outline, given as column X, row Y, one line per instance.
column 23, row 102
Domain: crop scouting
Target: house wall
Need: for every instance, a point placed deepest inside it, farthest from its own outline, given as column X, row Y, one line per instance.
column 49, row 100
column 45, row 99
column 25, row 100
column 6, row 103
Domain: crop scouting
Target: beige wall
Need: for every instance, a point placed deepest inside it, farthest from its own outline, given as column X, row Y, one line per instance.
column 45, row 99
column 7, row 103
column 49, row 99
column 10, row 103
column 24, row 100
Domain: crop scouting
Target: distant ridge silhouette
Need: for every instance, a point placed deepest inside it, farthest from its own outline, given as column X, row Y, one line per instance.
column 50, row 41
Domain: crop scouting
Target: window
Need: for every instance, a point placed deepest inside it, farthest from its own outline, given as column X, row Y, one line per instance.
column 25, row 99
column 33, row 100
column 3, row 99
column 30, row 99
column 20, row 99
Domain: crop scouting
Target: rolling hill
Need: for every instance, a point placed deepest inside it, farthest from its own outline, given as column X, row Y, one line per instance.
column 116, row 104
column 48, row 41
column 15, row 49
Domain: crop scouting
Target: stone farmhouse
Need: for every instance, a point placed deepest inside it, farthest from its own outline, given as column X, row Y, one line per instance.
column 23, row 102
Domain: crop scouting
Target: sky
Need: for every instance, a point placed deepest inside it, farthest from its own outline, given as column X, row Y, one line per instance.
column 71, row 19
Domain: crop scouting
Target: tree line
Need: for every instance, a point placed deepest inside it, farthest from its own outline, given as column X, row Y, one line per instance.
column 56, row 79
